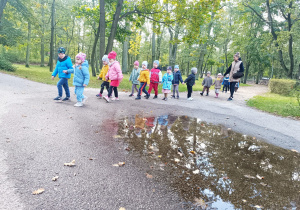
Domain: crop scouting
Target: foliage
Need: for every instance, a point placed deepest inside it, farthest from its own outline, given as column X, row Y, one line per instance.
column 296, row 92
column 277, row 104
column 281, row 86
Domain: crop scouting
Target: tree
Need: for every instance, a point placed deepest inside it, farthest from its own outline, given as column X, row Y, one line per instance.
column 52, row 36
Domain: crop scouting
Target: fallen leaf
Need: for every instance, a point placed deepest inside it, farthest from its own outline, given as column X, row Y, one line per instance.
column 38, row 191
column 260, row 177
column 121, row 164
column 151, row 153
column 116, row 165
column 117, row 136
column 92, row 158
column 149, row 176
column 229, row 129
column 176, row 160
column 122, row 208
column 200, row 202
column 254, row 138
column 70, row 164
column 153, row 190
column 159, row 156
column 225, row 177
column 257, row 206
column 54, row 178
column 196, row 171
column 193, row 152
column 127, row 149
column 244, row 200
column 263, row 184
column 249, row 177
column 293, row 150
column 180, row 154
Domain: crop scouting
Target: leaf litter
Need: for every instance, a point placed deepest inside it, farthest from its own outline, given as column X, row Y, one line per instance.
column 38, row 191
column 70, row 164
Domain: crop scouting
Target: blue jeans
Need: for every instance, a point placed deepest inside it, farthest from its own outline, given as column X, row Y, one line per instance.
column 142, row 88
column 79, row 93
column 63, row 82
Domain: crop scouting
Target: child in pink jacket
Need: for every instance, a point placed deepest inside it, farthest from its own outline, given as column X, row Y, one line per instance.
column 115, row 75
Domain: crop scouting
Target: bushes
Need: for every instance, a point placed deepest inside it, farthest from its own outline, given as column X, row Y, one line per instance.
column 6, row 65
column 281, row 86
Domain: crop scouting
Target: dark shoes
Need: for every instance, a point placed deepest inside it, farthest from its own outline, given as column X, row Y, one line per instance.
column 201, row 94
column 57, row 98
column 148, row 96
column 131, row 95
column 154, row 97
column 138, row 98
column 229, row 99
column 66, row 99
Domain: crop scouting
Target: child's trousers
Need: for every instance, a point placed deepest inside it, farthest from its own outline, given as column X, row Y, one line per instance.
column 190, row 90
column 134, row 87
column 205, row 88
column 63, row 82
column 154, row 86
column 79, row 93
column 175, row 88
column 104, row 84
column 111, row 89
column 143, row 88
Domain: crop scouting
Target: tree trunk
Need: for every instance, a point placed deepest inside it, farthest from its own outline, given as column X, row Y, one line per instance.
column 102, row 30
column 153, row 46
column 94, row 51
column 299, row 72
column 203, row 48
column 125, row 56
column 114, row 26
column 159, row 38
column 173, row 47
column 43, row 35
column 52, row 36
column 28, row 45
column 2, row 6
column 290, row 73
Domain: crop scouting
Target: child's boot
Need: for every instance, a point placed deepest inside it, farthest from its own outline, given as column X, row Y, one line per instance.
column 138, row 97
column 201, row 94
column 106, row 98
column 155, row 97
column 131, row 95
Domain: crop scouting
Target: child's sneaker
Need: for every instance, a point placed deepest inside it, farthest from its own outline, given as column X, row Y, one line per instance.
column 84, row 99
column 177, row 97
column 131, row 95
column 148, row 96
column 206, row 94
column 138, row 98
column 229, row 99
column 163, row 99
column 57, row 98
column 154, row 97
column 201, row 94
column 190, row 99
column 78, row 104
column 145, row 96
column 99, row 95
column 115, row 99
column 106, row 99
column 166, row 99
column 66, row 99
column 173, row 97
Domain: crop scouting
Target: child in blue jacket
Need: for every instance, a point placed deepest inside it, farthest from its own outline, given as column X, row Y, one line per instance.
column 63, row 63
column 167, row 83
column 81, row 77
column 225, row 83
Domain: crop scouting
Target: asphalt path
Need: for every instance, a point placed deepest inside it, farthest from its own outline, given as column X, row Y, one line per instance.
column 39, row 135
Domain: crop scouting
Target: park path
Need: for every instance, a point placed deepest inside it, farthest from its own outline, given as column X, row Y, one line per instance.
column 38, row 136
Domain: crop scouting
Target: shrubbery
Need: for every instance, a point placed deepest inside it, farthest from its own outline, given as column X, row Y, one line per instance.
column 281, row 86
column 6, row 64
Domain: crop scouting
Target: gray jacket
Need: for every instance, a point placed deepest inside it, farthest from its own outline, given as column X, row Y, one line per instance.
column 207, row 82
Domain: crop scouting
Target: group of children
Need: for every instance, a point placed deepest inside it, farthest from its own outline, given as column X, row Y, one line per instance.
column 111, row 75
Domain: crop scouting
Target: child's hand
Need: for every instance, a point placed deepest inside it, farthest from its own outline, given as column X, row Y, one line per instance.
column 84, row 85
column 65, row 71
column 52, row 77
column 182, row 83
column 98, row 78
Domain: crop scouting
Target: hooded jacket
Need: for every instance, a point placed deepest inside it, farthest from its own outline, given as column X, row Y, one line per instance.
column 177, row 78
column 114, row 72
column 167, row 81
column 134, row 76
column 144, row 76
column 103, row 73
column 81, row 76
column 190, row 81
column 61, row 65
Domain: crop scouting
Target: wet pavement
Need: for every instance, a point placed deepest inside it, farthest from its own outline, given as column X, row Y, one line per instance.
column 211, row 166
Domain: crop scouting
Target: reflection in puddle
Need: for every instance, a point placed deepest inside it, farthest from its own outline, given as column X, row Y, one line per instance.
column 213, row 167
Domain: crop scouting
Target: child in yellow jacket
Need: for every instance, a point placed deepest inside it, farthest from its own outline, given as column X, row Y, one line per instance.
column 105, row 84
column 144, row 79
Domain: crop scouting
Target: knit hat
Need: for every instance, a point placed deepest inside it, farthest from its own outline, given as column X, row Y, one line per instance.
column 194, row 70
column 237, row 54
column 145, row 63
column 112, row 55
column 61, row 50
column 105, row 58
column 136, row 63
column 219, row 74
column 169, row 68
column 208, row 72
column 156, row 62
column 81, row 56
column 176, row 67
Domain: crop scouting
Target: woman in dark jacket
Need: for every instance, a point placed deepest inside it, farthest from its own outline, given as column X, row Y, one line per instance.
column 236, row 66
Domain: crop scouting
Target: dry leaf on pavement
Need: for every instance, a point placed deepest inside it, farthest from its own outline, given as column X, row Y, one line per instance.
column 200, row 202
column 176, row 160
column 193, row 152
column 149, row 176
column 293, row 150
column 70, row 164
column 257, row 206
column 260, row 177
column 55, row 178
column 122, row 208
column 249, row 177
column 38, row 191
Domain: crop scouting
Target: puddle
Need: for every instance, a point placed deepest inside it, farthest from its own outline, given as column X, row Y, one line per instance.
column 211, row 166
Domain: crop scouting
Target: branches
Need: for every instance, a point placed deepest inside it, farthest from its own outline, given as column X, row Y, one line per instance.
column 258, row 15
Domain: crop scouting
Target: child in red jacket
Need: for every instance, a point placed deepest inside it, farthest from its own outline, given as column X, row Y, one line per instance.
column 155, row 78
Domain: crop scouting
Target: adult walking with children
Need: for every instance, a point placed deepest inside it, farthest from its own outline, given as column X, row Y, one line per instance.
column 235, row 72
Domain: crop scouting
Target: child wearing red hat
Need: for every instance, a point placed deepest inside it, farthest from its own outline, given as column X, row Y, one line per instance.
column 115, row 75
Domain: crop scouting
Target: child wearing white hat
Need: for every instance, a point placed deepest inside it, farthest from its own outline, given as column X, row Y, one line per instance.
column 218, row 84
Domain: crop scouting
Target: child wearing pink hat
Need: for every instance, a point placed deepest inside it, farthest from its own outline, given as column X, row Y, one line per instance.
column 134, row 78
column 115, row 75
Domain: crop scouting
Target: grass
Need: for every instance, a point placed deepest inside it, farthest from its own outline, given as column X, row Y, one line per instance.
column 276, row 104
column 42, row 74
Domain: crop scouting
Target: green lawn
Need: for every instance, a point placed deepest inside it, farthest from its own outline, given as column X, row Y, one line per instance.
column 277, row 104
column 42, row 74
